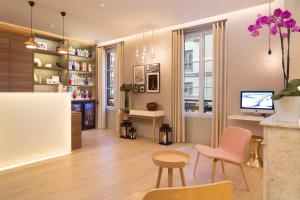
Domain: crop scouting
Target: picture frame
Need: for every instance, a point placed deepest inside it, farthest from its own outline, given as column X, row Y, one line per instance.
column 153, row 67
column 135, row 88
column 139, row 75
column 153, row 82
column 142, row 89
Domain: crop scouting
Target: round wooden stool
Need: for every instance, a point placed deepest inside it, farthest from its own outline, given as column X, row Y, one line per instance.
column 255, row 159
column 170, row 159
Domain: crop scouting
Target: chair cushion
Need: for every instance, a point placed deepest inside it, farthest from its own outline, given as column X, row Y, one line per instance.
column 217, row 153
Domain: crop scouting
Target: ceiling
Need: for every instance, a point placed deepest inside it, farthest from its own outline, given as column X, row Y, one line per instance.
column 88, row 20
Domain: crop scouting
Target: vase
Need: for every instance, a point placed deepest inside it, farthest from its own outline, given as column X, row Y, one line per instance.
column 287, row 109
column 152, row 106
column 126, row 101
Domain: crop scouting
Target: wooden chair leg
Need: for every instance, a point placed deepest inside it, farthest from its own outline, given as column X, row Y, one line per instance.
column 170, row 177
column 196, row 164
column 223, row 167
column 244, row 177
column 213, row 171
column 159, row 177
column 182, row 176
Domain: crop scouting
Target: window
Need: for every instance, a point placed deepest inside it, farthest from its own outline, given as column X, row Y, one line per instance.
column 198, row 72
column 188, row 60
column 110, row 77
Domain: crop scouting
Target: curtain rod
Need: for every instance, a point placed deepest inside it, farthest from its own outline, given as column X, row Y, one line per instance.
column 194, row 27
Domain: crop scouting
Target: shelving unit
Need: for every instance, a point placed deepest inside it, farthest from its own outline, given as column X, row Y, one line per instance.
column 77, row 74
column 72, row 78
column 82, row 69
column 48, row 55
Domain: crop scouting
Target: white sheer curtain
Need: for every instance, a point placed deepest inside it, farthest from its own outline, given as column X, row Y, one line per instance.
column 219, row 120
column 178, row 123
column 101, row 89
column 119, row 80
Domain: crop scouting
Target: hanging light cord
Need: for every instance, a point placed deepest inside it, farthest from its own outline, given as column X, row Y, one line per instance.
column 63, row 29
column 63, row 14
column 31, row 4
column 31, row 22
column 269, row 51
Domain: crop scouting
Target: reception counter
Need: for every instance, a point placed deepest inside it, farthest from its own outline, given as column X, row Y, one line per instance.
column 33, row 127
column 281, row 173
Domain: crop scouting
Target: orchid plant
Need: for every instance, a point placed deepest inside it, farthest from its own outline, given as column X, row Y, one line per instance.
column 281, row 23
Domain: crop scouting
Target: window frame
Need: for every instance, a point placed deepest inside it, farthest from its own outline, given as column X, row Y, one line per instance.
column 107, row 51
column 202, row 61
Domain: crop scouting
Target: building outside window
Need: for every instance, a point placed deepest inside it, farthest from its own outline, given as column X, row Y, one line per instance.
column 198, row 72
column 110, row 77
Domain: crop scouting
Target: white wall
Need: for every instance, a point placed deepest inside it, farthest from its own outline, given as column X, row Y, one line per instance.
column 294, row 7
column 248, row 68
column 33, row 126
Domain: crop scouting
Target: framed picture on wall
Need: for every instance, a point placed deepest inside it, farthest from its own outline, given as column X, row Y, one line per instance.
column 135, row 88
column 153, row 82
column 153, row 67
column 139, row 75
column 142, row 89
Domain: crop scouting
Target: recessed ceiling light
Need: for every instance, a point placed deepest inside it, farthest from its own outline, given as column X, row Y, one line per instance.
column 52, row 25
column 102, row 4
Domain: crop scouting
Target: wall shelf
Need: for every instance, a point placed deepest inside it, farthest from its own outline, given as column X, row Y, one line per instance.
column 45, row 84
column 48, row 52
column 81, row 85
column 81, row 58
column 80, row 72
column 50, row 68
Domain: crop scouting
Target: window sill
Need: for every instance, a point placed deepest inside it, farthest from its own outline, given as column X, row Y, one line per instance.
column 198, row 115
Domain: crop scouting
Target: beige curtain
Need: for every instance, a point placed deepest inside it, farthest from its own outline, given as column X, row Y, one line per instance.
column 119, row 80
column 101, row 89
column 178, row 123
column 219, row 120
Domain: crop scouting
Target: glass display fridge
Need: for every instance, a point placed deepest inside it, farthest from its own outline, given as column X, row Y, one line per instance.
column 88, row 110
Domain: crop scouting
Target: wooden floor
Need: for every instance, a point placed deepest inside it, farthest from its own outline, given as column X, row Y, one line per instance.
column 109, row 168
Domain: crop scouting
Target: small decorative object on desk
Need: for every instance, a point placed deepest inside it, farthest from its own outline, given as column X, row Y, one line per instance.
column 152, row 106
column 132, row 133
column 125, row 126
column 282, row 23
column 165, row 135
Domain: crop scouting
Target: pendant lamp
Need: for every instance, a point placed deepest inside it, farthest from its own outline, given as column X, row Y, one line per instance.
column 61, row 49
column 31, row 43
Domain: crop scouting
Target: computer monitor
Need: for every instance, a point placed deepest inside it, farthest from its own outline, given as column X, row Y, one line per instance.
column 257, row 102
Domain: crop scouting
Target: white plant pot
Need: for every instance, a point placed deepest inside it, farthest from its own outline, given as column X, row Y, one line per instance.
column 287, row 109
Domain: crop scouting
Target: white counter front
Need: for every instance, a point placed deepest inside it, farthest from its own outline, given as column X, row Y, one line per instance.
column 33, row 127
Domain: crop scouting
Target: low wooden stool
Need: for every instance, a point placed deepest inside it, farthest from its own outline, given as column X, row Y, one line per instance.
column 170, row 159
column 255, row 159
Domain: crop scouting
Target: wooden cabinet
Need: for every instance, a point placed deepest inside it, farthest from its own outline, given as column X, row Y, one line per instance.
column 76, row 130
column 21, row 69
column 4, row 58
column 16, row 61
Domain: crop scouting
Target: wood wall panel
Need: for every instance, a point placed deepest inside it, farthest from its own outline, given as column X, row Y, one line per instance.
column 76, row 130
column 4, row 58
column 21, row 70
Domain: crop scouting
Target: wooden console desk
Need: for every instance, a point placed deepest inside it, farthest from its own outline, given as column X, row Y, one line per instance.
column 143, row 115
